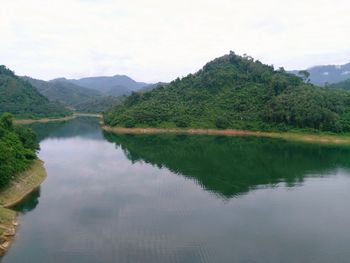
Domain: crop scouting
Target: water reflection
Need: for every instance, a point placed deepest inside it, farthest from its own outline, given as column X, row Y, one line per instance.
column 230, row 166
column 29, row 203
column 85, row 127
column 143, row 201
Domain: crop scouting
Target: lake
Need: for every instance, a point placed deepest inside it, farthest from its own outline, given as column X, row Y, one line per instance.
column 180, row 198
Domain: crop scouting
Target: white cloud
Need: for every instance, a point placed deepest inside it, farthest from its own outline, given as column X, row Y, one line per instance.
column 155, row 40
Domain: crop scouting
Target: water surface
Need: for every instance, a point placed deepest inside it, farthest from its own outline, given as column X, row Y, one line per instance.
column 177, row 198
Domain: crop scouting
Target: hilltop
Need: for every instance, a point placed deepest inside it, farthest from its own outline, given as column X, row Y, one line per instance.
column 63, row 91
column 92, row 94
column 117, row 85
column 236, row 92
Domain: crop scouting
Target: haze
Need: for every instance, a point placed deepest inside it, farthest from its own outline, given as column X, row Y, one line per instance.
column 158, row 40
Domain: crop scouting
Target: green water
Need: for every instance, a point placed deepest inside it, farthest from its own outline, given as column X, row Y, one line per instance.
column 176, row 198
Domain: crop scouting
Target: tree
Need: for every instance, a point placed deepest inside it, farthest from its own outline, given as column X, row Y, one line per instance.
column 305, row 75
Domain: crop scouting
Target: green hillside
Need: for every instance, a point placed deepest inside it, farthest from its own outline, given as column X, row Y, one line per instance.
column 20, row 98
column 18, row 146
column 63, row 91
column 236, row 92
column 345, row 85
column 97, row 105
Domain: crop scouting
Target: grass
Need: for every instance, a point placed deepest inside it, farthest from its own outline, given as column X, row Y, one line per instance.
column 23, row 184
column 45, row 120
column 300, row 136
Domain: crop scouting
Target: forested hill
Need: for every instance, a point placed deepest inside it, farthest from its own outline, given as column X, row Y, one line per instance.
column 20, row 98
column 345, row 85
column 117, row 85
column 18, row 146
column 236, row 92
column 64, row 91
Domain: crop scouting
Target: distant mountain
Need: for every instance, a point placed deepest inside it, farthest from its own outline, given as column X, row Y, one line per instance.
column 99, row 104
column 320, row 75
column 235, row 92
column 64, row 91
column 345, row 85
column 149, row 87
column 117, row 85
column 20, row 98
column 93, row 94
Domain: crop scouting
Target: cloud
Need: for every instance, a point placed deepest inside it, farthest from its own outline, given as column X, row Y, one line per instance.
column 158, row 40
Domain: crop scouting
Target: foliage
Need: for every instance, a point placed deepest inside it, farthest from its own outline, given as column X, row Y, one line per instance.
column 236, row 92
column 23, row 100
column 97, row 105
column 345, row 85
column 18, row 146
column 63, row 91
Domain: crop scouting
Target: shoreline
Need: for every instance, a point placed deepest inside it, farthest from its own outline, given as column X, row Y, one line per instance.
column 291, row 136
column 67, row 118
column 23, row 184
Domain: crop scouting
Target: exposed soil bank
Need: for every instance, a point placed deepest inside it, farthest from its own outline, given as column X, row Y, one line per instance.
column 22, row 185
column 293, row 136
column 67, row 118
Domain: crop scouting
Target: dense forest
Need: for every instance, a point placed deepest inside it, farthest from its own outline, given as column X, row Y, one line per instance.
column 63, row 91
column 18, row 146
column 98, row 105
column 93, row 94
column 345, row 85
column 20, row 98
column 236, row 92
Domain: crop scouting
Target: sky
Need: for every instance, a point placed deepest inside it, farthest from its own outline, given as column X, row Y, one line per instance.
column 159, row 40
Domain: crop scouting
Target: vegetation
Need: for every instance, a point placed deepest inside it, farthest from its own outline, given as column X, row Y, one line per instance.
column 98, row 105
column 345, row 85
column 64, row 91
column 18, row 146
column 23, row 184
column 90, row 95
column 236, row 92
column 23, row 100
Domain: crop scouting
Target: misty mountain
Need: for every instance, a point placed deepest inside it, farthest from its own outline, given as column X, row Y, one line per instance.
column 345, row 85
column 320, row 75
column 63, row 91
column 117, row 85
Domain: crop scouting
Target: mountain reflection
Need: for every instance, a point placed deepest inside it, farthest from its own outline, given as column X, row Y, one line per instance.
column 230, row 166
column 29, row 202
column 87, row 127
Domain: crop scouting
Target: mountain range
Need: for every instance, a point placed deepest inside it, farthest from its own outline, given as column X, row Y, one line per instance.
column 92, row 94
column 327, row 74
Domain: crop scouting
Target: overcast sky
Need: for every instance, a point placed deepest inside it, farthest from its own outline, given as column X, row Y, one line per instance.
column 158, row 40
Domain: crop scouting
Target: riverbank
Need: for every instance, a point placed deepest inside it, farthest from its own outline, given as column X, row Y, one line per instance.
column 22, row 185
column 67, row 118
column 292, row 136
